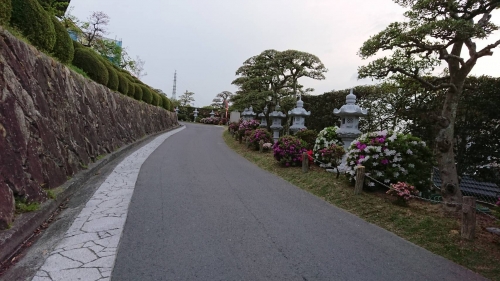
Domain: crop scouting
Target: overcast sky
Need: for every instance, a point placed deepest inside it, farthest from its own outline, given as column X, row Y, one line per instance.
column 206, row 41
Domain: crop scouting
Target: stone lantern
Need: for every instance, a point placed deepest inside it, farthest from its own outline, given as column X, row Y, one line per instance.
column 299, row 116
column 263, row 121
column 276, row 117
column 212, row 114
column 349, row 121
column 244, row 114
column 195, row 113
column 248, row 114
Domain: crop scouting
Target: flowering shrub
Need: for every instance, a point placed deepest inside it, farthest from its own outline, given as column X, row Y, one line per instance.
column 331, row 155
column 402, row 191
column 233, row 126
column 391, row 157
column 326, row 138
column 210, row 120
column 288, row 150
column 247, row 126
column 257, row 135
column 267, row 146
column 309, row 136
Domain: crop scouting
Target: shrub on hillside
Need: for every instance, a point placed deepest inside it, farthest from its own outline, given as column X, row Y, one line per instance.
column 160, row 100
column 288, row 150
column 155, row 98
column 90, row 62
column 326, row 138
column 147, row 96
column 112, row 75
column 391, row 157
column 34, row 23
column 166, row 102
column 309, row 136
column 137, row 91
column 131, row 89
column 77, row 45
column 5, row 11
column 122, row 83
column 63, row 48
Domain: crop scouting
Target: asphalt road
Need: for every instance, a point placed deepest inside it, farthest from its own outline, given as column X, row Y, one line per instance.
column 201, row 212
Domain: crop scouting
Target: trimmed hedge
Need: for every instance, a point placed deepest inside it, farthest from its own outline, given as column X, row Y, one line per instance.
column 113, row 76
column 138, row 92
column 160, row 100
column 156, row 99
column 63, row 49
column 165, row 102
column 34, row 23
column 5, row 11
column 77, row 45
column 131, row 88
column 89, row 62
column 122, row 83
column 147, row 96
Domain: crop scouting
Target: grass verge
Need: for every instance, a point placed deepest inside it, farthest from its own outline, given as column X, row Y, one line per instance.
column 421, row 223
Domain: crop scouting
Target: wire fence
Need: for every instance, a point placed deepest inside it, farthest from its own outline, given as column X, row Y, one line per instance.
column 478, row 208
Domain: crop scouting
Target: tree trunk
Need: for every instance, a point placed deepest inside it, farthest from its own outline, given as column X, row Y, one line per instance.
column 450, row 189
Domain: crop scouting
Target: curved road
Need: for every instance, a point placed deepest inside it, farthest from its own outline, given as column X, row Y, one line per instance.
column 199, row 211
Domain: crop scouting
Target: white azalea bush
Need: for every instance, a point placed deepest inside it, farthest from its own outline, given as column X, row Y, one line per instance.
column 391, row 157
column 325, row 139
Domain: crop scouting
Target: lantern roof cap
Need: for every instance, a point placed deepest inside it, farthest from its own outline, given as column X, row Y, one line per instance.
column 350, row 108
column 299, row 110
column 277, row 113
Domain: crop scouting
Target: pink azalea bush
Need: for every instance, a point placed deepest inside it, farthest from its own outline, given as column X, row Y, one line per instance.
column 403, row 191
column 257, row 135
column 331, row 155
column 246, row 127
column 210, row 120
column 391, row 157
column 233, row 127
column 288, row 150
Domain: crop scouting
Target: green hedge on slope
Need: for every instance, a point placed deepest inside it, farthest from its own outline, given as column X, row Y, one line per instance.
column 63, row 48
column 5, row 11
column 89, row 62
column 34, row 23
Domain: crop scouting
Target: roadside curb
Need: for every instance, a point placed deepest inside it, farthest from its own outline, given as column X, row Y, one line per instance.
column 12, row 240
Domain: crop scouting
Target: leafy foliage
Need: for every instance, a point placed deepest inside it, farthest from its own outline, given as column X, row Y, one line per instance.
column 34, row 23
column 91, row 63
column 309, row 136
column 186, row 98
column 137, row 91
column 63, row 47
column 147, row 96
column 112, row 75
column 122, row 83
column 5, row 11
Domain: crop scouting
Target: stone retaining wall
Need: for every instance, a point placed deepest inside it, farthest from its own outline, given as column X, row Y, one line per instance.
column 54, row 122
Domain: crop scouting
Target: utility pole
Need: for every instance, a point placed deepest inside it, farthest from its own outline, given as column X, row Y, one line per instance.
column 174, row 96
